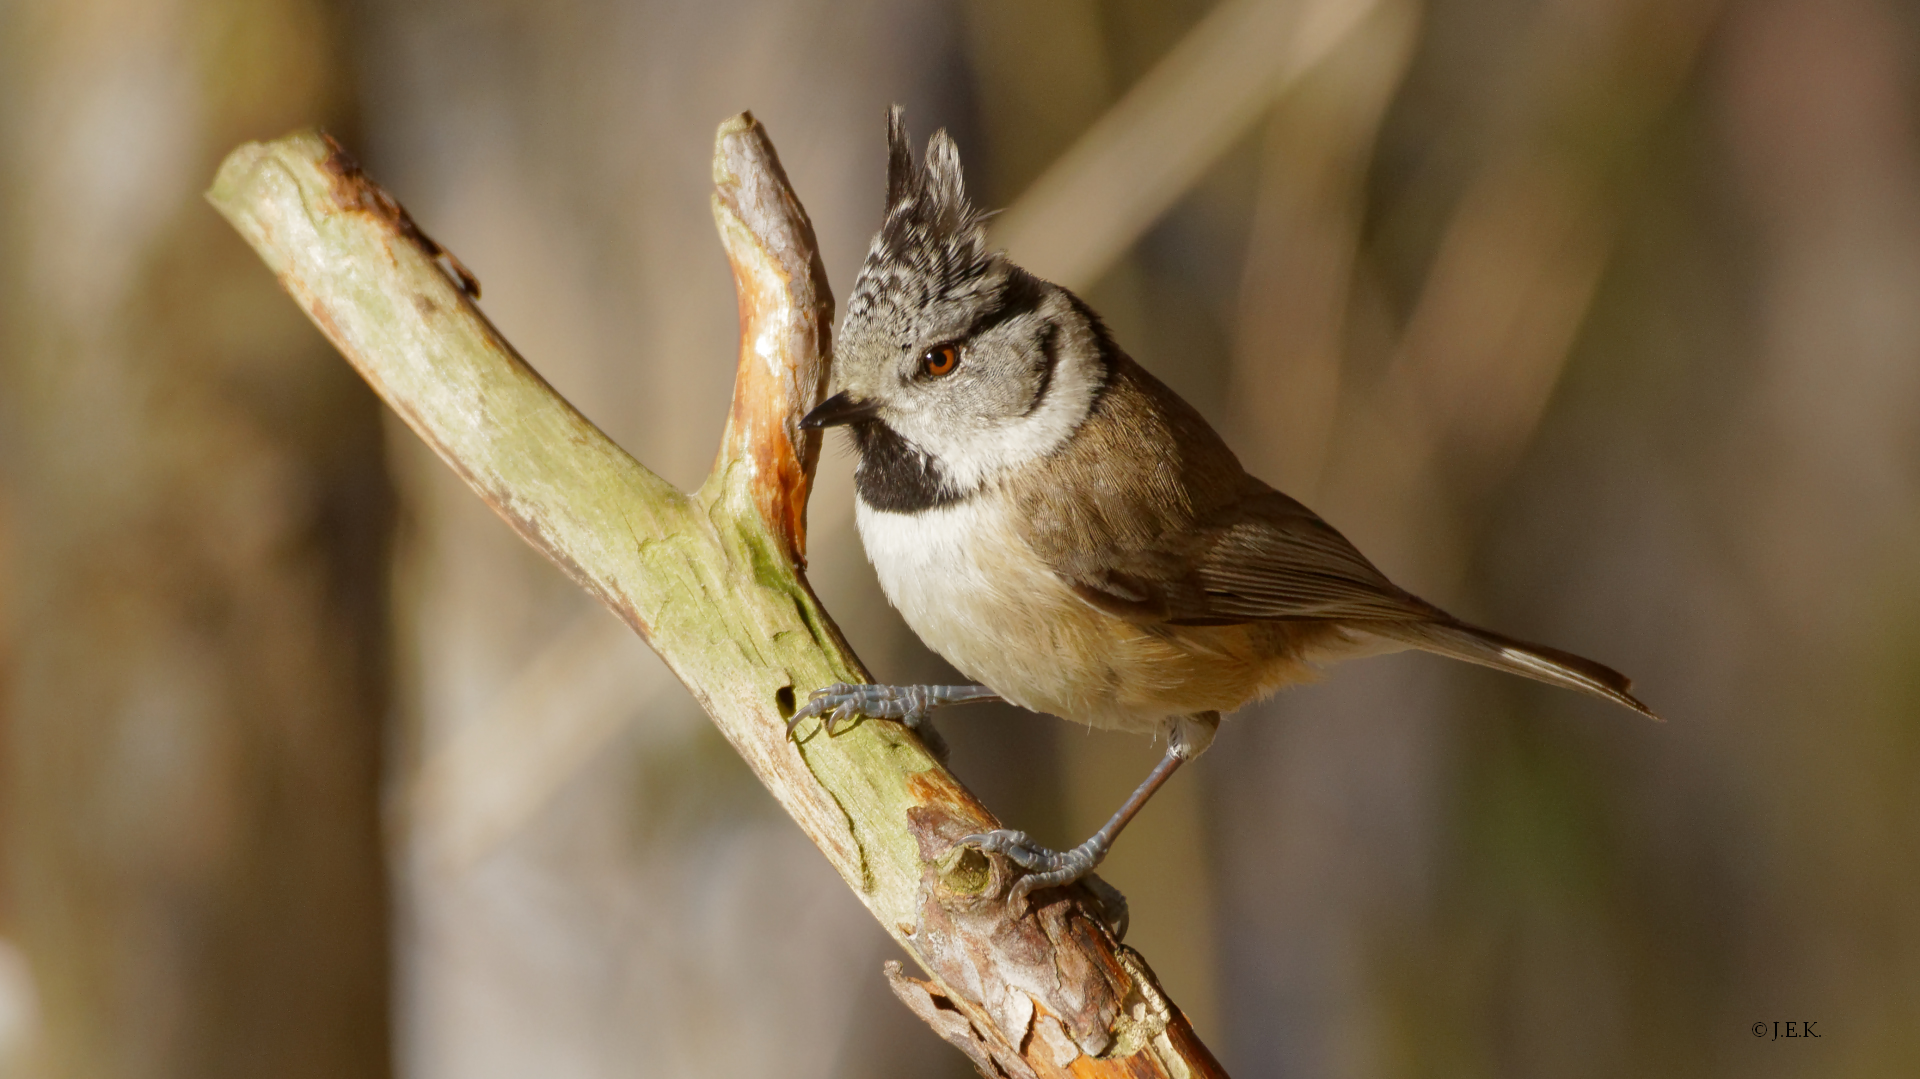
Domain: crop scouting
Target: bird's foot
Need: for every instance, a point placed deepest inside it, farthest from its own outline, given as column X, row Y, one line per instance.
column 1045, row 868
column 910, row 705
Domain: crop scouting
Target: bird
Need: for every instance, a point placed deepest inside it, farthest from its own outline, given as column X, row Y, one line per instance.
column 1068, row 532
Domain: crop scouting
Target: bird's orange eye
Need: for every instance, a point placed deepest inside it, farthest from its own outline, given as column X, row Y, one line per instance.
column 940, row 361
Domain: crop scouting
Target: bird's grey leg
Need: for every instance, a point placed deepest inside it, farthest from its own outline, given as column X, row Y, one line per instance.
column 911, row 705
column 1188, row 738
column 1050, row 867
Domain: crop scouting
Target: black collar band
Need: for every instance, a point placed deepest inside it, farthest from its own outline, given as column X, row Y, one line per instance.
column 895, row 475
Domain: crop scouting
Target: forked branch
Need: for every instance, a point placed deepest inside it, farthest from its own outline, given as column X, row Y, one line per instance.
column 713, row 582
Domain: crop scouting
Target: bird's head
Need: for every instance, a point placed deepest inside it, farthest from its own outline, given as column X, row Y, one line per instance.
column 953, row 366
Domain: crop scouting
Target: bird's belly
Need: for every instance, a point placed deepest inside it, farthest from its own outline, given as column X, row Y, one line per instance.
column 976, row 595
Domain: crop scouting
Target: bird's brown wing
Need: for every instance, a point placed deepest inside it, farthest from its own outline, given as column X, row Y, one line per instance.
column 1131, row 541
column 1160, row 524
column 1263, row 558
column 1267, row 558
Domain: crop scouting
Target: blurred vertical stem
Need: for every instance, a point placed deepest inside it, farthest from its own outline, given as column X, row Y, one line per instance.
column 193, row 694
column 713, row 581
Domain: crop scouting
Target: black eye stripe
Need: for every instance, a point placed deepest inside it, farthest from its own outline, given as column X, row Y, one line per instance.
column 1020, row 295
column 1049, row 359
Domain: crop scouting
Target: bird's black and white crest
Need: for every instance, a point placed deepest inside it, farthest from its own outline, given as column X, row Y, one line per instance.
column 933, row 244
column 1023, row 364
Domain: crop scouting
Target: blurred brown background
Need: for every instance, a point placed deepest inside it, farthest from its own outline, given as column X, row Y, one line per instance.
column 1597, row 321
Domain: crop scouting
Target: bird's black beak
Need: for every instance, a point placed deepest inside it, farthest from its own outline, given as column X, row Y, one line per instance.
column 839, row 410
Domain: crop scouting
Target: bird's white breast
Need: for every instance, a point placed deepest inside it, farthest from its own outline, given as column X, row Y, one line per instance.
column 946, row 569
column 969, row 586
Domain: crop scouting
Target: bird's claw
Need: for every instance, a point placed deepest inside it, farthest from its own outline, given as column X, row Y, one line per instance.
column 912, row 706
column 1046, row 868
column 841, row 701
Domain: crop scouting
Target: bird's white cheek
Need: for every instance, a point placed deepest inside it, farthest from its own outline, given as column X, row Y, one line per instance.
column 974, row 453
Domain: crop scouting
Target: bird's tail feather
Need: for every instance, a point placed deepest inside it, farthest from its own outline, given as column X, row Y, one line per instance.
column 1457, row 640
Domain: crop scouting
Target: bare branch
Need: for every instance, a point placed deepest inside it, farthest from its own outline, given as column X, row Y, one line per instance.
column 713, row 582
